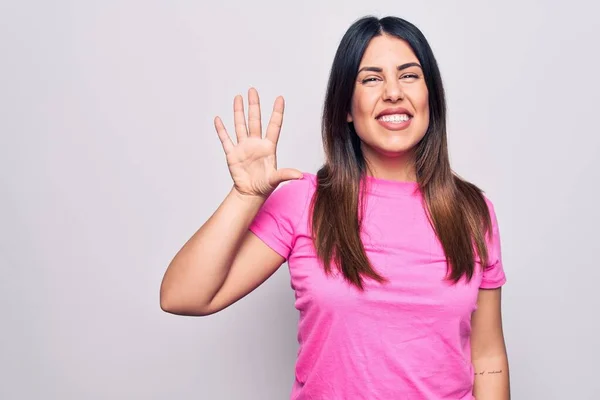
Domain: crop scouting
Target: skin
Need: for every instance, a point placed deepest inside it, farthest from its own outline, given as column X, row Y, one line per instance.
column 381, row 85
column 488, row 349
column 223, row 261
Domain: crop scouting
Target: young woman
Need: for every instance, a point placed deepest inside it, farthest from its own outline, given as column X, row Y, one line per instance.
column 395, row 260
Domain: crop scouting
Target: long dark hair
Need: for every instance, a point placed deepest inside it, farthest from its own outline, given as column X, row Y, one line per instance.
column 457, row 209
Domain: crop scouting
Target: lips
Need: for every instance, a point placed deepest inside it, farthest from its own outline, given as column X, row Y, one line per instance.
column 395, row 110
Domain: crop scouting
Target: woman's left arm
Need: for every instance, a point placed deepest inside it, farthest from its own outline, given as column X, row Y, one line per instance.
column 488, row 350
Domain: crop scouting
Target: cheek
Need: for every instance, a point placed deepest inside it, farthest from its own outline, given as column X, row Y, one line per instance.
column 425, row 104
column 363, row 103
column 356, row 108
column 423, row 107
column 426, row 111
column 425, row 100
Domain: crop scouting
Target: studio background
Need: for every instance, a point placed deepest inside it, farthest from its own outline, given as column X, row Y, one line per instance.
column 109, row 162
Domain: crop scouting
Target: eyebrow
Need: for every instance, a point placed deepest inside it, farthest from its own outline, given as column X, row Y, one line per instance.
column 400, row 67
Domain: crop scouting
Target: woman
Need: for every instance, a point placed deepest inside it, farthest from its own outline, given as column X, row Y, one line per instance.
column 395, row 261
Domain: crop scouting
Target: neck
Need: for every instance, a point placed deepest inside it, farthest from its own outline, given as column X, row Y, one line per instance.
column 399, row 167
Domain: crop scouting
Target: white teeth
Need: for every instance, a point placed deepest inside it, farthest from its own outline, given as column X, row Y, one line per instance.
column 397, row 118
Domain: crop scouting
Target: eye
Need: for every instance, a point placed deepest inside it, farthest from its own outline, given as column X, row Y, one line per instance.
column 410, row 76
column 370, row 79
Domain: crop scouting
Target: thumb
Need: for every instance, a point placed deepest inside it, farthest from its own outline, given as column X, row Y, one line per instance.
column 287, row 174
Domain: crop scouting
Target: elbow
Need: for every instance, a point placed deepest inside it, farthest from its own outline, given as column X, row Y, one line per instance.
column 168, row 305
column 177, row 305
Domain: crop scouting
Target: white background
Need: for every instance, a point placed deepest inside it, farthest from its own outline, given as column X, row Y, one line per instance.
column 109, row 162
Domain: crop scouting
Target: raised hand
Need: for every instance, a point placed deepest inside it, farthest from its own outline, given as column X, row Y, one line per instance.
column 252, row 162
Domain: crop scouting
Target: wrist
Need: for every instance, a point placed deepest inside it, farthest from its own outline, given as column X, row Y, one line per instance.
column 247, row 199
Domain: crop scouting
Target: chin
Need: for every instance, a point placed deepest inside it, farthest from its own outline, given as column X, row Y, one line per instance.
column 395, row 152
column 393, row 148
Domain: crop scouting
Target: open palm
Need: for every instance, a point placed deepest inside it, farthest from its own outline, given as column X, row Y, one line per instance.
column 252, row 162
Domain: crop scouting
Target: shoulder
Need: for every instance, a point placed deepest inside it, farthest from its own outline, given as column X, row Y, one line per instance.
column 485, row 208
column 277, row 220
column 491, row 208
column 473, row 195
column 294, row 195
column 294, row 187
column 493, row 235
column 489, row 203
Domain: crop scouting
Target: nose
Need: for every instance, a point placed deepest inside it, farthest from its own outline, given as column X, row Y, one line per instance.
column 392, row 91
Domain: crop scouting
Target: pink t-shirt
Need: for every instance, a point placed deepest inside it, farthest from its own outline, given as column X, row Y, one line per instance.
column 407, row 339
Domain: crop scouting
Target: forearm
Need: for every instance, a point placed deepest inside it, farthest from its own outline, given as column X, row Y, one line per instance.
column 491, row 378
column 199, row 269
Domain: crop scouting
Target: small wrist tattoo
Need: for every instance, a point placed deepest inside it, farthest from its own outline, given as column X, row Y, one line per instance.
column 494, row 372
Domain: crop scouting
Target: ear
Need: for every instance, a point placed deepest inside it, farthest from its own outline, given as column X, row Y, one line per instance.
column 349, row 118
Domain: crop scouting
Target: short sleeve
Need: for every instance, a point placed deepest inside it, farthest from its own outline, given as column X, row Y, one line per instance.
column 276, row 221
column 493, row 273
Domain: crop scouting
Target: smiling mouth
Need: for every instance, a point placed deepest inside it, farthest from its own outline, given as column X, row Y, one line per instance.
column 394, row 118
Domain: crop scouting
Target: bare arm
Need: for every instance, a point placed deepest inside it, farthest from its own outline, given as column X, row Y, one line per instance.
column 488, row 350
column 221, row 251
column 223, row 261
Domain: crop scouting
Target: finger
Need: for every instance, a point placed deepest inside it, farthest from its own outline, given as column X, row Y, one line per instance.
column 276, row 120
column 223, row 136
column 239, row 119
column 254, row 124
column 286, row 174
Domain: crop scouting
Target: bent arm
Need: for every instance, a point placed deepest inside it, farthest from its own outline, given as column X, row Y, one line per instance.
column 220, row 263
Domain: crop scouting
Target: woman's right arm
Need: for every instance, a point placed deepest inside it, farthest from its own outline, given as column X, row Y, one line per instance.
column 223, row 261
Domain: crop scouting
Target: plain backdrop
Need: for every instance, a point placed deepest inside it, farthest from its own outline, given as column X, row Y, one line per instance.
column 109, row 162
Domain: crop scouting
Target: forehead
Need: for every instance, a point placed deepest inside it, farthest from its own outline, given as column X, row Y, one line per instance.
column 385, row 49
